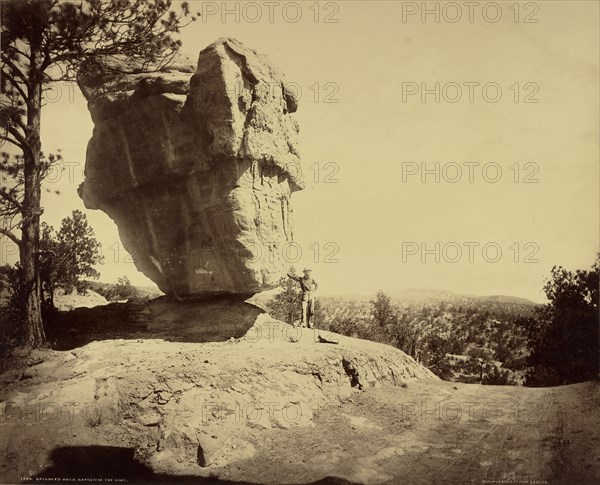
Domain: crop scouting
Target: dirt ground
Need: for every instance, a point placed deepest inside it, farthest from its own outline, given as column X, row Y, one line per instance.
column 369, row 415
column 434, row 432
column 442, row 433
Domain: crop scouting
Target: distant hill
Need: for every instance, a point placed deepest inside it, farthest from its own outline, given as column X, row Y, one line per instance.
column 418, row 297
column 146, row 291
column 421, row 295
column 426, row 296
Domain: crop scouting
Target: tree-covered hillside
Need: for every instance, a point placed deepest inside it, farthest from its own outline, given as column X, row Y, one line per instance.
column 467, row 338
column 464, row 338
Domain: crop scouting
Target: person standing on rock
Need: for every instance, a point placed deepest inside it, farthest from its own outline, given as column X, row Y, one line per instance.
column 309, row 286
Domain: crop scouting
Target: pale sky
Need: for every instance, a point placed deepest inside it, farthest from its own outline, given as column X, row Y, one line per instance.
column 378, row 214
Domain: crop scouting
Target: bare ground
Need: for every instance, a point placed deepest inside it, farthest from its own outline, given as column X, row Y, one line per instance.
column 283, row 408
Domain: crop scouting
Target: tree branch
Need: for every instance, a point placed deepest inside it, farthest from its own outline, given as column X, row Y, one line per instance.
column 23, row 143
column 9, row 198
column 11, row 236
column 13, row 67
column 16, row 84
column 11, row 226
column 19, row 122
column 13, row 49
column 12, row 141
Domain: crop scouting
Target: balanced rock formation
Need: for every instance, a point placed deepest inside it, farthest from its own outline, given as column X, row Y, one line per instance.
column 196, row 165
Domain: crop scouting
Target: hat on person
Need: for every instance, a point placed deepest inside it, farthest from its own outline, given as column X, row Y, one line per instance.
column 307, row 270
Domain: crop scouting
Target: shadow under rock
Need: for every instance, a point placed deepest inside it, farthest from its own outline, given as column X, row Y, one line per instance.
column 185, row 320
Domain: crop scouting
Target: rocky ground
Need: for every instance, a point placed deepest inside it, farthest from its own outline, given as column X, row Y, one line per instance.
column 277, row 406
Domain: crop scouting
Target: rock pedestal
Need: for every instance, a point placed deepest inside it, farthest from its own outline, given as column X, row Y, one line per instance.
column 196, row 165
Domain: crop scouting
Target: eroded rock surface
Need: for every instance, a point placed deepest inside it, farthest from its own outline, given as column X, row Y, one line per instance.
column 277, row 407
column 196, row 165
column 187, row 408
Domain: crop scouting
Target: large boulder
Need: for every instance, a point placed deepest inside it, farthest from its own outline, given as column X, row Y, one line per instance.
column 196, row 165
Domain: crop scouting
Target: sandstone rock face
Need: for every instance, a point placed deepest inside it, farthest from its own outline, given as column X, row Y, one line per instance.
column 196, row 165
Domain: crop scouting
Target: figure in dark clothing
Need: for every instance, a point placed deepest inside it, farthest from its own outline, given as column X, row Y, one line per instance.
column 309, row 286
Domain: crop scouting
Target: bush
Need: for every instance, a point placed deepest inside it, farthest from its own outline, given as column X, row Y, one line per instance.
column 122, row 290
column 12, row 318
column 11, row 328
column 541, row 376
column 564, row 336
column 11, row 315
column 494, row 375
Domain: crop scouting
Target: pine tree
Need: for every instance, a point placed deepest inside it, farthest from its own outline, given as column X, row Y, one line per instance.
column 69, row 256
column 286, row 305
column 564, row 335
column 383, row 312
column 45, row 41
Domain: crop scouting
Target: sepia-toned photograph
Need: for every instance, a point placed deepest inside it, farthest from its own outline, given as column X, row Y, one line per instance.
column 311, row 242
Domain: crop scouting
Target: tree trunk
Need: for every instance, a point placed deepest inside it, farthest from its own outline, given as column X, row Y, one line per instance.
column 30, row 245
